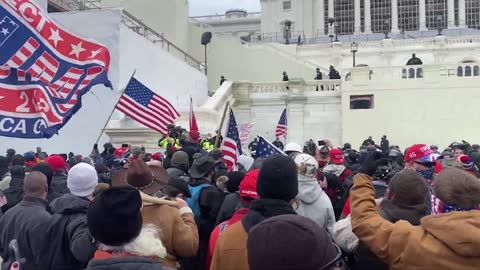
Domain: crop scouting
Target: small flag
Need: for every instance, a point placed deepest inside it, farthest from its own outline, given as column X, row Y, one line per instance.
column 245, row 132
column 146, row 107
column 266, row 149
column 281, row 129
column 193, row 120
column 231, row 146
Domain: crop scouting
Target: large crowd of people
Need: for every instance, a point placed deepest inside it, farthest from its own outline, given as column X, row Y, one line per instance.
column 318, row 206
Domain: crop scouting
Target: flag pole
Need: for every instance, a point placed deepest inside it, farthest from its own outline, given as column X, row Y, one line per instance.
column 113, row 110
column 217, row 140
column 190, row 114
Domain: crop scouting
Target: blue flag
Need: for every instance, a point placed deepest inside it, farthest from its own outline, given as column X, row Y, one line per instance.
column 266, row 149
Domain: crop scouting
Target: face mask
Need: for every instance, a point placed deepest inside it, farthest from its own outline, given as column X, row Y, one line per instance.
column 427, row 174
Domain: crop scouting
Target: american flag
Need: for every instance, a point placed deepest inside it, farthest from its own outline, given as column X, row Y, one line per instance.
column 231, row 146
column 146, row 107
column 245, row 132
column 281, row 129
column 266, row 149
column 193, row 120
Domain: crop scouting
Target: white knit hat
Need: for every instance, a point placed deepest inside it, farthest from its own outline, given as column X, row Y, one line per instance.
column 82, row 180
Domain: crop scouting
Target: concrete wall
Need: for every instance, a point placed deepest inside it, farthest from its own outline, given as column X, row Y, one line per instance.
column 434, row 110
column 228, row 57
column 169, row 17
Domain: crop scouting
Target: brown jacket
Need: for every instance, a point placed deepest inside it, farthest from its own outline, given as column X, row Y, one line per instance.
column 177, row 229
column 444, row 241
column 231, row 247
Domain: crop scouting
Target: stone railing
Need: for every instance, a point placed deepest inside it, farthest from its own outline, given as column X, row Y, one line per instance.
column 219, row 99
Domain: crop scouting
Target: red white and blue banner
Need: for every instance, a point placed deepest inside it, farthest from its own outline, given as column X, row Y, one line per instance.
column 44, row 71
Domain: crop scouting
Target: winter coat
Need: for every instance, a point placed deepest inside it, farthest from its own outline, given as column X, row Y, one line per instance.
column 229, row 206
column 124, row 263
column 231, row 248
column 14, row 193
column 191, row 149
column 313, row 203
column 70, row 243
column 5, row 180
column 210, row 201
column 444, row 241
column 27, row 223
column 52, row 195
column 59, row 184
column 177, row 230
column 172, row 172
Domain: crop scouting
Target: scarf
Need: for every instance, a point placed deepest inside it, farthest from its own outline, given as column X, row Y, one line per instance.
column 428, row 174
column 440, row 207
column 262, row 209
column 334, row 169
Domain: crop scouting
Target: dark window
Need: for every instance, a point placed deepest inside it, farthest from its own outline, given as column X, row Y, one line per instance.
column 460, row 71
column 476, row 71
column 419, row 73
column 363, row 102
column 468, row 71
column 287, row 5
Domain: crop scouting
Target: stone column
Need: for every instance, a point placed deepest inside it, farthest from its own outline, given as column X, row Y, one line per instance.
column 331, row 9
column 320, row 11
column 451, row 14
column 368, row 18
column 308, row 28
column 357, row 15
column 422, row 15
column 461, row 14
column 395, row 16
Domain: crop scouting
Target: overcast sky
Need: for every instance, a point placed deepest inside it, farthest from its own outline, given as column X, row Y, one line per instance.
column 211, row 7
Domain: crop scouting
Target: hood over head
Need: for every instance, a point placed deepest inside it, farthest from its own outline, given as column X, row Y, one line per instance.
column 308, row 189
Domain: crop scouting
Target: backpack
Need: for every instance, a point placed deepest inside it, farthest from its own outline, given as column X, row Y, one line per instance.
column 193, row 200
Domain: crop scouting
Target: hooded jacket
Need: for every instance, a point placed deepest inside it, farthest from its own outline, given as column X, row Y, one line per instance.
column 312, row 202
column 231, row 248
column 70, row 244
column 440, row 242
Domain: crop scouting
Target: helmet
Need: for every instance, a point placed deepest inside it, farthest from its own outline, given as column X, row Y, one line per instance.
column 293, row 147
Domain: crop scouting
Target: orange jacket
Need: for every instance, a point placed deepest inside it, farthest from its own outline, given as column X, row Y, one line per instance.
column 441, row 242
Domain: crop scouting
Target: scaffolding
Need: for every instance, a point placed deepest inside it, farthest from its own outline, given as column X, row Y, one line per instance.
column 74, row 5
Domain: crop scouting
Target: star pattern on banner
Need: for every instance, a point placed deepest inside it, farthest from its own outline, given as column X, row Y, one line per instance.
column 55, row 36
column 77, row 49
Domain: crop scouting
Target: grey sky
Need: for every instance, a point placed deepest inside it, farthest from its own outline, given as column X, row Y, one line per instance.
column 211, row 7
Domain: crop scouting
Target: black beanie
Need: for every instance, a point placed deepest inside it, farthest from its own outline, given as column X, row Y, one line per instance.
column 114, row 217
column 278, row 178
column 46, row 170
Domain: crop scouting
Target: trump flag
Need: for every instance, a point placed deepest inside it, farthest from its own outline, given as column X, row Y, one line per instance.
column 44, row 71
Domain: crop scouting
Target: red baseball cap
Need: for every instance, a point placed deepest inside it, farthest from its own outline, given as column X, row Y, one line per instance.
column 56, row 163
column 157, row 156
column 336, row 156
column 420, row 152
column 248, row 186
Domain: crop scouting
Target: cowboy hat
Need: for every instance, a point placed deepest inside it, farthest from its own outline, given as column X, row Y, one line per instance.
column 147, row 179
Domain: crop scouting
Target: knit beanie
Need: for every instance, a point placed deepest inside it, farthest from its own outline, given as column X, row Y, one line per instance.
column 82, row 179
column 46, row 170
column 288, row 242
column 180, row 158
column 278, row 179
column 234, row 179
column 114, row 217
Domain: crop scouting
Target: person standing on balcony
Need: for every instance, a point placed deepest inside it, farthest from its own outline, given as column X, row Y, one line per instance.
column 319, row 75
column 222, row 80
column 285, row 77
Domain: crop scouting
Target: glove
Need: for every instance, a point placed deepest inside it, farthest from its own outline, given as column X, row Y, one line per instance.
column 372, row 162
column 95, row 146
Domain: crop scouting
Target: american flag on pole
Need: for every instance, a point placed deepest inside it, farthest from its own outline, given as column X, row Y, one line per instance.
column 146, row 107
column 44, row 71
column 281, row 129
column 245, row 132
column 193, row 120
column 266, row 149
column 231, row 146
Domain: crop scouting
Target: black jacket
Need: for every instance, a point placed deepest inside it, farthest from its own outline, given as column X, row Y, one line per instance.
column 14, row 193
column 210, row 201
column 27, row 223
column 191, row 149
column 262, row 209
column 229, row 206
column 70, row 244
column 124, row 263
column 59, row 184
